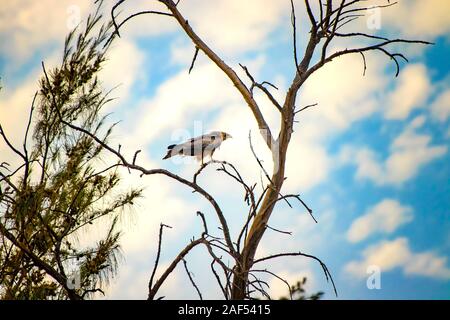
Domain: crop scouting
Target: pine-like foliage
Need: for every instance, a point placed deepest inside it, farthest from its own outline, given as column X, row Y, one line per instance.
column 298, row 292
column 57, row 195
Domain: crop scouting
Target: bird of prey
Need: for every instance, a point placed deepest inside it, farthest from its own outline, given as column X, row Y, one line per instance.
column 198, row 147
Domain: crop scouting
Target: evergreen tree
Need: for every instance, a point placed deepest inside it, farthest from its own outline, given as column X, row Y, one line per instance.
column 48, row 202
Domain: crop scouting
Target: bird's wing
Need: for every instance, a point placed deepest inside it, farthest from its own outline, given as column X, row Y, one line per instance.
column 191, row 147
column 196, row 146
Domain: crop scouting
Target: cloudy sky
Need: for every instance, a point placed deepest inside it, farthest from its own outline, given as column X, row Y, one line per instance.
column 372, row 159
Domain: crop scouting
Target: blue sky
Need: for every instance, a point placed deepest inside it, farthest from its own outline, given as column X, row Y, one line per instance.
column 371, row 159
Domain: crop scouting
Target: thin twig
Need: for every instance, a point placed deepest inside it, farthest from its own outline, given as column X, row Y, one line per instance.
column 135, row 156
column 364, row 63
column 261, row 87
column 258, row 288
column 323, row 265
column 305, row 107
column 158, row 254
column 297, row 196
column 92, row 291
column 192, row 280
column 294, row 37
column 3, row 134
column 225, row 293
column 276, row 276
column 152, row 291
column 25, row 150
column 278, row 230
column 205, row 226
column 193, row 59
column 262, row 167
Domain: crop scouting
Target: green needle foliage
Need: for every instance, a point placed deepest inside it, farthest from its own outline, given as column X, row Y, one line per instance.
column 51, row 200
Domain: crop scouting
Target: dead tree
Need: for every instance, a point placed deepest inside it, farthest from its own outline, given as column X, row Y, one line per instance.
column 326, row 23
column 326, row 19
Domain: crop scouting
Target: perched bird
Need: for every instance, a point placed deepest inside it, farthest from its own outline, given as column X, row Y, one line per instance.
column 199, row 147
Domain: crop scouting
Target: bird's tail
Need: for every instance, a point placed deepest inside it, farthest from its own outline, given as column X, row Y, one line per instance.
column 169, row 152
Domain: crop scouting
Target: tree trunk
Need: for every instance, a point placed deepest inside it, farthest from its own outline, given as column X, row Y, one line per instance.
column 258, row 227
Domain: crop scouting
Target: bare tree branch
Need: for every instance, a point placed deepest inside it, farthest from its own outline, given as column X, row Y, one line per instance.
column 118, row 26
column 25, row 139
column 262, row 88
column 89, row 291
column 294, row 35
column 296, row 196
column 193, row 59
column 158, row 254
column 263, row 169
column 276, row 276
column 135, row 156
column 312, row 19
column 305, row 107
column 154, row 289
column 224, row 291
column 3, row 134
column 205, row 226
column 323, row 265
column 192, row 280
column 278, row 230
column 258, row 286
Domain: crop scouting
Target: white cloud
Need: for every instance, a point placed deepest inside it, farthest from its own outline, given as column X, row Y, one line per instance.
column 389, row 255
column 411, row 92
column 440, row 108
column 385, row 217
column 428, row 264
column 233, row 25
column 182, row 52
column 341, row 103
column 409, row 152
column 417, row 18
column 308, row 164
column 29, row 25
column 342, row 100
column 122, row 70
column 248, row 24
column 162, row 204
column 15, row 104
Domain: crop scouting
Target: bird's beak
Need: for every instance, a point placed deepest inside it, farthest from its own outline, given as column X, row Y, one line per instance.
column 228, row 136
